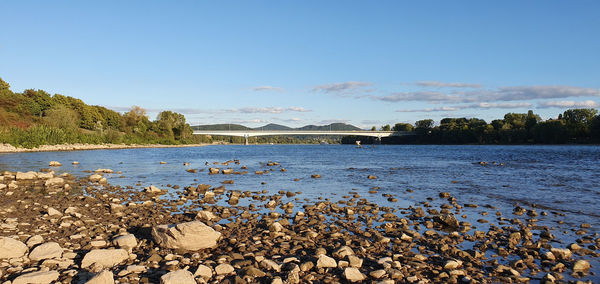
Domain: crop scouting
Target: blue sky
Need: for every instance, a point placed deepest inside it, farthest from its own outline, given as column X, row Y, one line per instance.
column 308, row 62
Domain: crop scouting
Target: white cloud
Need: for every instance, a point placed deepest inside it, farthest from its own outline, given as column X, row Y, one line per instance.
column 330, row 121
column 444, row 84
column 543, row 92
column 250, row 121
column 425, row 96
column 267, row 88
column 568, row 104
column 269, row 109
column 469, row 106
column 344, row 88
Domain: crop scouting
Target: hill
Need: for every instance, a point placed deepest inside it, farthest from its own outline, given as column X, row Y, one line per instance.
column 224, row 126
column 330, row 127
column 273, row 126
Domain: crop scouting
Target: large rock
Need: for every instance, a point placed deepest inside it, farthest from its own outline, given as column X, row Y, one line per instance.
column 54, row 164
column 104, row 277
column 581, row 266
column 39, row 277
column 127, row 242
column 326, row 262
column 178, row 277
column 191, row 236
column 26, row 176
column 46, row 251
column 203, row 271
column 10, row 248
column 54, row 182
column 447, row 220
column 104, row 257
column 352, row 274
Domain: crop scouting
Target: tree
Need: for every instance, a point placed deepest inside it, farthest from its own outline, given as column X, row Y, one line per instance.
column 425, row 124
column 402, row 127
column 374, row 128
column 386, row 127
column 4, row 85
column 578, row 121
column 173, row 125
column 62, row 117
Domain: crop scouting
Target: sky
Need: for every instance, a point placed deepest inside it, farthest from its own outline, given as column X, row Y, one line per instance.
column 308, row 62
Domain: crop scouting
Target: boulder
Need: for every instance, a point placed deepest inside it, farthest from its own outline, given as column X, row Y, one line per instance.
column 581, row 266
column 95, row 178
column 52, row 182
column 53, row 212
column 561, row 253
column 178, row 277
column 39, row 277
column 11, row 248
column 104, row 277
column 224, row 269
column 325, row 262
column 352, row 274
column 343, row 252
column 34, row 240
column 104, row 257
column 26, row 176
column 54, row 164
column 205, row 215
column 191, row 236
column 447, row 220
column 203, row 271
column 127, row 242
column 46, row 251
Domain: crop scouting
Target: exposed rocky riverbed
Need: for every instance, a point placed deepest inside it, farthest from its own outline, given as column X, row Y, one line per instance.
column 83, row 230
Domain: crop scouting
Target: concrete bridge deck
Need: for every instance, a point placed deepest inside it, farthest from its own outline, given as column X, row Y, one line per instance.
column 252, row 133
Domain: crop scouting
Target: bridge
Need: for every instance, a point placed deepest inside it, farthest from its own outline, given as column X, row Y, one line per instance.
column 252, row 133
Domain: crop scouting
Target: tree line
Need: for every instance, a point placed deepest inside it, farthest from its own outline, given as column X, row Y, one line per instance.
column 580, row 126
column 34, row 117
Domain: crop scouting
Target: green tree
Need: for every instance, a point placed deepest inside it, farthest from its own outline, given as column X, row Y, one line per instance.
column 4, row 85
column 579, row 121
column 386, row 127
column 61, row 117
column 374, row 128
column 402, row 127
column 173, row 125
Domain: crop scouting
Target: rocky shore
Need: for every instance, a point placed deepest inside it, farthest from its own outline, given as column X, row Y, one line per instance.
column 7, row 148
column 57, row 228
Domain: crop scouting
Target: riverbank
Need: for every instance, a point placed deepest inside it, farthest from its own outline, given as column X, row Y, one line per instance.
column 69, row 229
column 7, row 148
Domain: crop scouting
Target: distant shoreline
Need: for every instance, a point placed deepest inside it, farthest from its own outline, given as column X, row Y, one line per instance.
column 7, row 148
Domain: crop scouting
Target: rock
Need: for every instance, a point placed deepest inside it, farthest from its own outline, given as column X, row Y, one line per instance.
column 275, row 227
column 447, row 220
column 53, row 212
column 104, row 277
column 561, row 253
column 54, row 182
column 452, row 264
column 104, row 257
column 2, row 186
column 106, row 171
column 378, row 273
column 203, row 271
column 127, row 242
column 355, row 261
column 270, row 265
column 39, row 277
column 178, row 277
column 325, row 262
column 315, row 176
column 26, row 176
column 224, row 269
column 54, row 164
column 352, row 274
column 46, row 251
column 254, row 272
column 581, row 266
column 343, row 252
column 34, row 240
column 152, row 189
column 213, row 171
column 205, row 215
column 11, row 248
column 95, row 178
column 372, row 177
column 193, row 235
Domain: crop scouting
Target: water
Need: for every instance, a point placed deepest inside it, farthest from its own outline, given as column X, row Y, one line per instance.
column 553, row 179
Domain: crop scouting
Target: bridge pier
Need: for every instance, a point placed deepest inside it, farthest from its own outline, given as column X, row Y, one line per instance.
column 246, row 138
